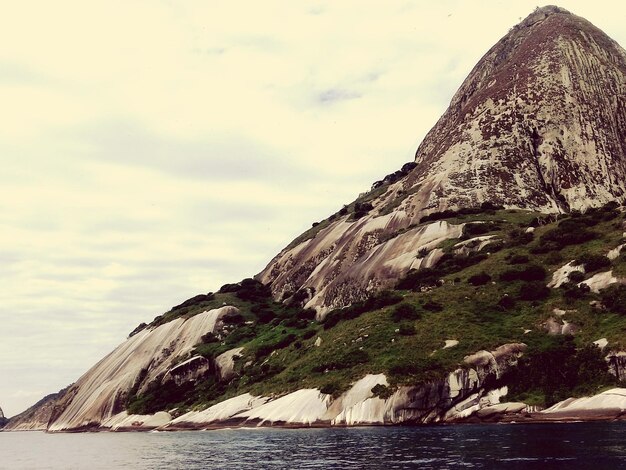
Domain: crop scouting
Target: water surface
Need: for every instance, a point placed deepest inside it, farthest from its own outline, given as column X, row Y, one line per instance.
column 522, row 446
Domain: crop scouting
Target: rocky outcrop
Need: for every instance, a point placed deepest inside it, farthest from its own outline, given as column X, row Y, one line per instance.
column 225, row 363
column 536, row 124
column 146, row 357
column 3, row 419
column 95, row 401
column 125, row 422
column 559, row 326
column 189, row 371
column 475, row 244
column 561, row 275
column 348, row 261
column 222, row 412
column 497, row 411
column 610, row 404
column 37, row 417
column 615, row 252
column 459, row 394
column 539, row 123
column 600, row 281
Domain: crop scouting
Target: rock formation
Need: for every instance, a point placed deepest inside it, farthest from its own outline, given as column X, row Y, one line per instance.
column 142, row 359
column 459, row 394
column 3, row 419
column 37, row 417
column 539, row 123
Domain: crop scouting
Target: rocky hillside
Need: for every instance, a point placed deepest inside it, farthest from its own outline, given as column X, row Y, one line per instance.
column 539, row 124
column 520, row 305
column 37, row 417
column 467, row 276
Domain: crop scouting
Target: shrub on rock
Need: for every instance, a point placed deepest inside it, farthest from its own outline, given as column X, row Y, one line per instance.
column 405, row 311
column 535, row 290
column 479, row 279
column 614, row 298
column 593, row 262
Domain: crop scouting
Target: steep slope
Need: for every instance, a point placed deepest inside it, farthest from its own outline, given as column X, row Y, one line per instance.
column 531, row 308
column 37, row 417
column 540, row 123
column 146, row 357
column 3, row 419
column 485, row 299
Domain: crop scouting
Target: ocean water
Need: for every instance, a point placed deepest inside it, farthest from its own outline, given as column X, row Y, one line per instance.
column 520, row 446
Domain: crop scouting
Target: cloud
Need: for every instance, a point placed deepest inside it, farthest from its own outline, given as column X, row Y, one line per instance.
column 227, row 157
column 19, row 74
column 334, row 95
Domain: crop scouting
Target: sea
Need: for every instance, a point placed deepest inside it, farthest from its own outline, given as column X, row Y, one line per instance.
column 512, row 446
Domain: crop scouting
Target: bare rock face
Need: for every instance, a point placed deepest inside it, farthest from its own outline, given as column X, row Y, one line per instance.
column 461, row 393
column 188, row 371
column 608, row 405
column 36, row 417
column 539, row 123
column 347, row 261
column 146, row 357
column 225, row 364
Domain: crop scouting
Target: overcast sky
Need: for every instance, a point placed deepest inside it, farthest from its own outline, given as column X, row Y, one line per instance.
column 151, row 151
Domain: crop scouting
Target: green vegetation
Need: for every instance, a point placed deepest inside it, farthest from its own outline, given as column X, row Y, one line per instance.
column 554, row 368
column 405, row 311
column 482, row 299
column 486, row 208
column 479, row 279
column 614, row 298
column 593, row 262
column 382, row 391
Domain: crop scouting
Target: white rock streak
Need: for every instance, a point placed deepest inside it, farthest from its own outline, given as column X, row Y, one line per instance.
column 358, row 405
column 614, row 399
column 125, row 421
column 348, row 259
column 96, row 396
column 537, row 124
column 225, row 363
column 560, row 276
column 304, row 406
column 223, row 410
column 600, row 281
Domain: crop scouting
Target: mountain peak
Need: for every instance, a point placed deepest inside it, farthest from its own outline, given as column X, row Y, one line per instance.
column 545, row 11
column 538, row 124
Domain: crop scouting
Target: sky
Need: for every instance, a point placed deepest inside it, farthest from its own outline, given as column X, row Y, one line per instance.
column 154, row 150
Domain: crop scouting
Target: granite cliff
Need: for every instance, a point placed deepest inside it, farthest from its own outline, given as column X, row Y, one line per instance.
column 489, row 267
column 36, row 417
column 539, row 124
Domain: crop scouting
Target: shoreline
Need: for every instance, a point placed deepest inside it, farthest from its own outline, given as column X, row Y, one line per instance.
column 588, row 416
